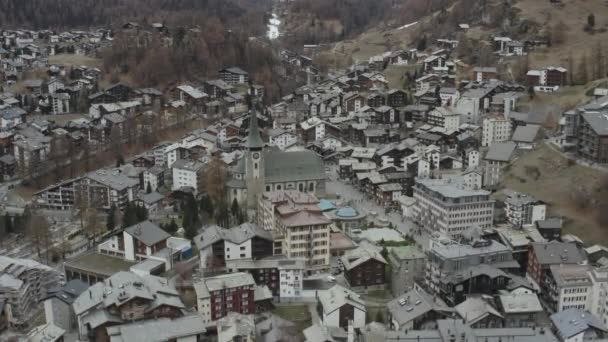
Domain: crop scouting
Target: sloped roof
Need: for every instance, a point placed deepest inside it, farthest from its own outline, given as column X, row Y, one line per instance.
column 147, row 232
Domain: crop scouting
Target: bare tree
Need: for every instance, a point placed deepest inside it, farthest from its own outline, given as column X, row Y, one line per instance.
column 215, row 176
column 38, row 233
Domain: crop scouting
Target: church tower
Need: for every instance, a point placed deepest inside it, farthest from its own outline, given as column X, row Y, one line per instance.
column 254, row 164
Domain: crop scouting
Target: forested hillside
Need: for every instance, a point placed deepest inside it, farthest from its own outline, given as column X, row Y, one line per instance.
column 49, row 14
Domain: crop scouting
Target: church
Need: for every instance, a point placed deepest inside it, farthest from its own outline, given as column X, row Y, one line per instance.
column 268, row 169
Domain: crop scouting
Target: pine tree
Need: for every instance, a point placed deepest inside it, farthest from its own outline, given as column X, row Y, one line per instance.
column 130, row 216
column 8, row 224
column 148, row 188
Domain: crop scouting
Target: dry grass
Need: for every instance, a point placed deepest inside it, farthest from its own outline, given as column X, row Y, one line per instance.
column 557, row 185
column 574, row 16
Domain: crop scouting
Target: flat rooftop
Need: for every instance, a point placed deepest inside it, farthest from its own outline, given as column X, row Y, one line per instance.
column 99, row 263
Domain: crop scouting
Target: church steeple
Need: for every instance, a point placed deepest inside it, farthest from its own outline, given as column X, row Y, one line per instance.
column 254, row 140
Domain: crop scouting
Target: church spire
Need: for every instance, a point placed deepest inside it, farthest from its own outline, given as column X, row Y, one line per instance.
column 254, row 140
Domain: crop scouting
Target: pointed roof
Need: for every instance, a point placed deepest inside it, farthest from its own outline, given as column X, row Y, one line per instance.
column 254, row 140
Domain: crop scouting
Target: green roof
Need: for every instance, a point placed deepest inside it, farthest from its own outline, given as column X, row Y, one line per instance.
column 292, row 166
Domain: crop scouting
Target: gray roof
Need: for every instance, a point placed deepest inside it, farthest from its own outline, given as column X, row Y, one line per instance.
column 572, row 322
column 571, row 275
column 415, row 304
column 365, row 252
column 46, row 333
column 230, row 280
column 475, row 309
column 68, row 292
column 449, row 189
column 158, row 330
column 555, row 253
column 187, row 164
column 491, row 271
column 502, row 151
column 122, row 287
column 279, row 262
column 151, row 198
column 236, row 235
column 292, row 166
column 236, row 70
column 113, row 179
column 147, row 232
column 461, row 251
column 549, row 223
column 526, row 134
column 597, row 121
column 520, row 303
column 338, row 296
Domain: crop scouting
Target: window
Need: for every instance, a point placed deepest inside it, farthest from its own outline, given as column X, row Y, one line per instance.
column 242, row 248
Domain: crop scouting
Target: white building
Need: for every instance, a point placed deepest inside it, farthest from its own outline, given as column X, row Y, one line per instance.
column 522, row 209
column 281, row 138
column 496, row 129
column 339, row 305
column 450, row 208
column 187, row 174
column 571, row 288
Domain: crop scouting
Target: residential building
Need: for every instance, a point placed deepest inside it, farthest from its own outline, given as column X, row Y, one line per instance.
column 282, row 276
column 364, row 267
column 520, row 310
column 523, row 209
column 58, row 309
column 219, row 245
column 499, row 155
column 219, row 295
column 187, row 174
column 416, row 310
column 92, row 267
column 124, row 298
column 181, row 329
column 234, row 75
column 408, row 264
column 449, row 208
column 495, row 129
column 155, row 177
column 542, row 255
column 477, row 312
column 445, row 118
column 574, row 325
column 23, row 284
column 566, row 287
column 477, row 267
column 339, row 306
column 298, row 225
column 592, row 134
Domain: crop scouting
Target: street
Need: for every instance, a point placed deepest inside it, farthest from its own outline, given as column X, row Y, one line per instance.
column 360, row 201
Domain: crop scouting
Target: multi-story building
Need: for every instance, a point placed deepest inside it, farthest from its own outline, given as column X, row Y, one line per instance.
column 592, row 134
column 58, row 309
column 247, row 241
column 282, row 276
column 568, row 286
column 340, row 306
column 495, row 129
column 187, row 174
column 499, row 155
column 449, row 208
column 364, row 266
column 445, row 118
column 408, row 265
column 542, row 255
column 217, row 296
column 574, row 325
column 124, row 298
column 298, row 225
column 234, row 75
column 452, row 263
column 522, row 209
column 23, row 284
